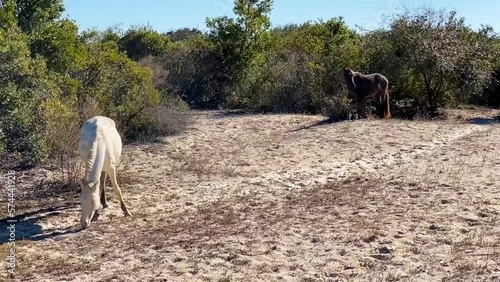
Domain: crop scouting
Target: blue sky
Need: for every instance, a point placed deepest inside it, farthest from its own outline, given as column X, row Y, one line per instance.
column 166, row 15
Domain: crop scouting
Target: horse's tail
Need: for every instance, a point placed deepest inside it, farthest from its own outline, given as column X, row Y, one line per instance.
column 387, row 111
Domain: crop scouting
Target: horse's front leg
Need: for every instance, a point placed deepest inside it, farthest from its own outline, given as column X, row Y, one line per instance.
column 102, row 193
column 361, row 107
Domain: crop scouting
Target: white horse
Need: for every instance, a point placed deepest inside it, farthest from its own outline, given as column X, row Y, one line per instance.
column 100, row 148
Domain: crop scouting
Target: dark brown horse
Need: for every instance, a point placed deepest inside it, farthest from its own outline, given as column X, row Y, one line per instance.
column 364, row 86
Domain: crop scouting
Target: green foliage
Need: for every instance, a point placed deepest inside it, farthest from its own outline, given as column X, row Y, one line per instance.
column 183, row 34
column 190, row 69
column 435, row 59
column 53, row 79
column 35, row 14
column 140, row 42
column 477, row 68
column 60, row 45
column 300, row 69
column 8, row 18
column 490, row 96
column 120, row 88
column 108, row 35
column 168, row 118
column 24, row 84
column 111, row 34
column 237, row 42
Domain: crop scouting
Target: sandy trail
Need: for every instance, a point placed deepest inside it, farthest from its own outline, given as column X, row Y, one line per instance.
column 283, row 198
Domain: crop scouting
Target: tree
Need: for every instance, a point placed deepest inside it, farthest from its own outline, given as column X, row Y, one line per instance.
column 34, row 14
column 435, row 55
column 238, row 41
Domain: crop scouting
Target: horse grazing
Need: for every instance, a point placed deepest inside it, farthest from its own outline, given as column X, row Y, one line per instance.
column 100, row 149
column 364, row 86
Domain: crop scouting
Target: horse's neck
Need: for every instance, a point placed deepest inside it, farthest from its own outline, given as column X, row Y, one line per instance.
column 96, row 161
column 357, row 80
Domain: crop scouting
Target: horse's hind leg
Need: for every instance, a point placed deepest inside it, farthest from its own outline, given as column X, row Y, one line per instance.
column 380, row 105
column 118, row 192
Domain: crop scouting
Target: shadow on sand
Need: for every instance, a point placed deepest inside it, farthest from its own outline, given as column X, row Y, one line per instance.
column 320, row 123
column 484, row 121
column 231, row 113
column 25, row 226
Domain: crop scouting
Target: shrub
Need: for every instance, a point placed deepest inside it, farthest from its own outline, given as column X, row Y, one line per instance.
column 338, row 108
column 53, row 79
column 433, row 57
column 302, row 72
column 119, row 88
column 63, row 132
column 25, row 83
column 142, row 41
column 169, row 118
column 190, row 66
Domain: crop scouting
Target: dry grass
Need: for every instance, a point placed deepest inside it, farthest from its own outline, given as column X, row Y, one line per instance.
column 29, row 263
column 247, row 198
column 63, row 132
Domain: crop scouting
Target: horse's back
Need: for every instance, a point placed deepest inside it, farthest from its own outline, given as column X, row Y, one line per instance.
column 380, row 78
column 99, row 122
column 100, row 129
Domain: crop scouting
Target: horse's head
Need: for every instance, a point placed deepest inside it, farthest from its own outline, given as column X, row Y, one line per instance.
column 89, row 200
column 349, row 78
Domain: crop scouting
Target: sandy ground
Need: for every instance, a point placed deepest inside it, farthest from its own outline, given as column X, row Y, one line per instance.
column 281, row 198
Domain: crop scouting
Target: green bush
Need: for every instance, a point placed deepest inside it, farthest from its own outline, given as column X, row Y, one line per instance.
column 190, row 68
column 63, row 126
column 25, row 83
column 432, row 58
column 53, row 79
column 142, row 41
column 60, row 45
column 121, row 89
column 301, row 71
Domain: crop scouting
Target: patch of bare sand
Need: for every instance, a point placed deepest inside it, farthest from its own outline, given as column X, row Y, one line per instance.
column 286, row 198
